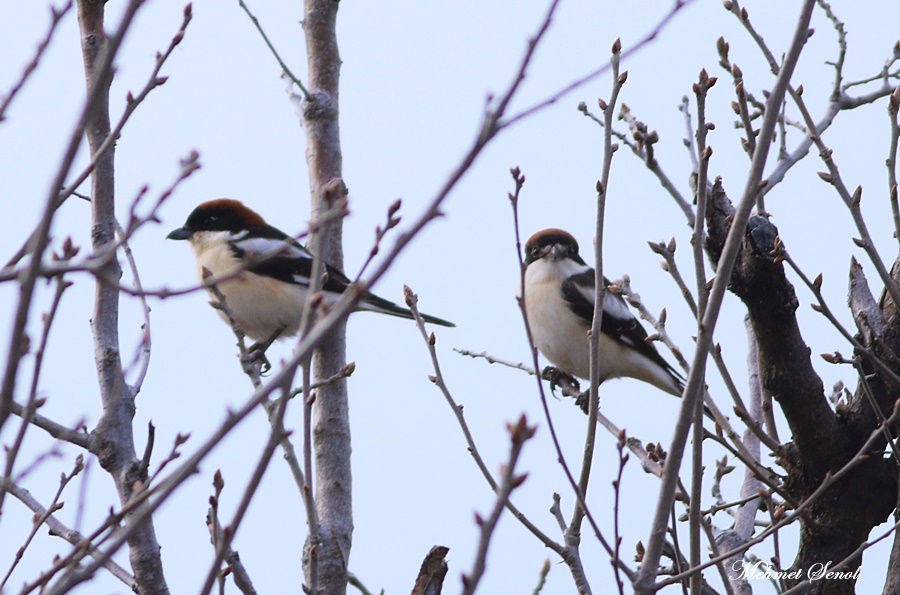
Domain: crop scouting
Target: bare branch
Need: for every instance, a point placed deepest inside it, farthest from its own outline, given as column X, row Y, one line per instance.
column 223, row 544
column 595, row 333
column 235, row 567
column 572, row 539
column 438, row 380
column 284, row 68
column 658, row 28
column 56, row 15
column 643, row 582
column 431, row 574
column 701, row 88
column 44, row 516
column 891, row 162
column 32, row 404
column 520, row 433
column 37, row 245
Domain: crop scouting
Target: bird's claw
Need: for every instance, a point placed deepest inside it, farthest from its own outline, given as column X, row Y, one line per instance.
column 256, row 356
column 256, row 353
column 558, row 378
column 583, row 401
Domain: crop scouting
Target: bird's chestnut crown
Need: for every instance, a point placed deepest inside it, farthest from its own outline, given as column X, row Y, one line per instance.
column 223, row 214
column 537, row 245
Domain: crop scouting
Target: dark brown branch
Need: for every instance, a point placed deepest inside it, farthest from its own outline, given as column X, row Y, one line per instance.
column 784, row 360
column 431, row 575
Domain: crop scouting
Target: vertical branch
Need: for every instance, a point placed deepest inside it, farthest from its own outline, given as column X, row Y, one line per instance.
column 617, row 489
column 520, row 433
column 701, row 87
column 744, row 518
column 599, row 282
column 40, row 237
column 893, row 108
column 331, row 423
column 114, row 433
column 644, row 579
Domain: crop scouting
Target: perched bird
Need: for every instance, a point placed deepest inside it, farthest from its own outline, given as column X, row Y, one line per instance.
column 264, row 273
column 559, row 304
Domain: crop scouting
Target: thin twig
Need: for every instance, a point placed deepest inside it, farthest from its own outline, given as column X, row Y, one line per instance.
column 235, row 566
column 275, row 53
column 648, row 463
column 677, row 5
column 520, row 433
column 609, row 150
column 644, row 581
column 45, row 516
column 571, row 539
column 224, row 545
column 32, row 404
column 891, row 162
column 142, row 357
column 56, row 15
column 643, row 148
column 617, row 492
column 438, row 380
column 701, row 88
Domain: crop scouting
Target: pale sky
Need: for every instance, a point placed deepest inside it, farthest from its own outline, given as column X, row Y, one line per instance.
column 413, row 88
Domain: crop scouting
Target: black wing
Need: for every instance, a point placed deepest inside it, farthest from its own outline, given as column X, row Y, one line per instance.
column 269, row 251
column 618, row 322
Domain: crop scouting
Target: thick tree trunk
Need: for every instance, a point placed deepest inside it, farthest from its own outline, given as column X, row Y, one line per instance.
column 331, row 422
column 113, row 437
column 823, row 440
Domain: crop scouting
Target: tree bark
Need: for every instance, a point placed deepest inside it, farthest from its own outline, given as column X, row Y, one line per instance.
column 823, row 440
column 113, row 439
column 331, row 421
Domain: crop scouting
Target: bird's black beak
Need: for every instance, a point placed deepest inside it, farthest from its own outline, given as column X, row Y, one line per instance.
column 182, row 233
column 556, row 252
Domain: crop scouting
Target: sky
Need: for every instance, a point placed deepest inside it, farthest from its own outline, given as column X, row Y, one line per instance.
column 415, row 80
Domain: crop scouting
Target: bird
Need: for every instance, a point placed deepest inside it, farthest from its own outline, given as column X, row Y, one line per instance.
column 263, row 273
column 559, row 305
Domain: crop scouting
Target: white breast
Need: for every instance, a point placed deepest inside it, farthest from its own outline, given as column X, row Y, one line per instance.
column 261, row 305
column 558, row 333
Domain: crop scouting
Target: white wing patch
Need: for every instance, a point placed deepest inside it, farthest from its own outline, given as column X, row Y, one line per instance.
column 613, row 304
column 257, row 247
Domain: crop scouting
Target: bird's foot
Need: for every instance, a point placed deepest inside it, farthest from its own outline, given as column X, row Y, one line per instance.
column 583, row 400
column 256, row 353
column 256, row 359
column 558, row 378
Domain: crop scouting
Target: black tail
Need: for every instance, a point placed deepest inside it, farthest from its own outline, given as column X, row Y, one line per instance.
column 373, row 303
